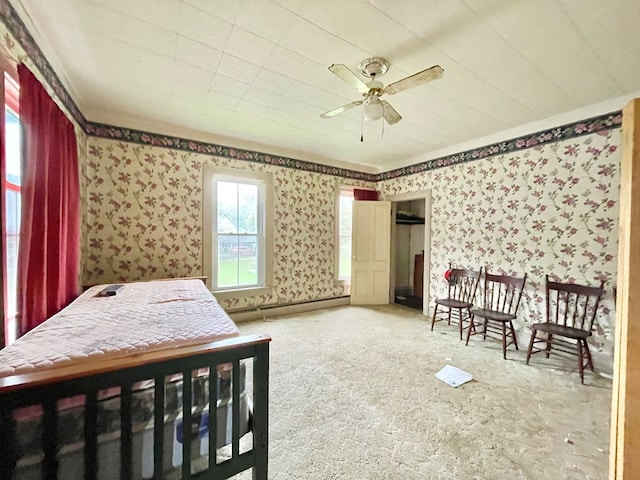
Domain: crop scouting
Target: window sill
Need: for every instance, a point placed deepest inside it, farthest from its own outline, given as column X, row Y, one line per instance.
column 343, row 282
column 242, row 292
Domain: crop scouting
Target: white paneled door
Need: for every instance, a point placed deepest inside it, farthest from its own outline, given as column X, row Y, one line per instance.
column 370, row 253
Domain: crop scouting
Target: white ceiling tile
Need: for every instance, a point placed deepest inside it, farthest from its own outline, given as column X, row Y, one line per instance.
column 151, row 80
column 301, row 69
column 278, row 83
column 265, row 19
column 183, row 73
column 203, row 27
column 358, row 23
column 162, row 13
column 311, row 41
column 226, row 10
column 229, row 86
column 149, row 61
column 238, row 68
column 221, row 100
column 611, row 30
column 250, row 47
column 196, row 53
column 150, row 37
column 575, row 61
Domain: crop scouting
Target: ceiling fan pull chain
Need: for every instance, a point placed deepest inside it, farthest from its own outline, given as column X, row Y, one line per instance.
column 362, row 127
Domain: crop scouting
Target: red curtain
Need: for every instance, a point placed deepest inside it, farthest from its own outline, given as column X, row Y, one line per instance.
column 359, row 194
column 49, row 253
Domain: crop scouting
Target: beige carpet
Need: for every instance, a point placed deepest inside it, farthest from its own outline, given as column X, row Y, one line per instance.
column 353, row 396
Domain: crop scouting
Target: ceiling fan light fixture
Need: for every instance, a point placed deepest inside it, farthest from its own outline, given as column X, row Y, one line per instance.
column 373, row 110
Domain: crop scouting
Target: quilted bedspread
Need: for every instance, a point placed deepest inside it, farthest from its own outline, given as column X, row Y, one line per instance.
column 142, row 317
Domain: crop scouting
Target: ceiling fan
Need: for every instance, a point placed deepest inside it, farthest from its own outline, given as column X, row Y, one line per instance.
column 371, row 69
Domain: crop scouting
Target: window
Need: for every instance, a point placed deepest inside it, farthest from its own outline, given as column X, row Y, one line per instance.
column 239, row 248
column 11, row 214
column 345, row 205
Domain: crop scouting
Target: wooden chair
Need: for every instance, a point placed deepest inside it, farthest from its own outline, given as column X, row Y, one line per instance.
column 571, row 311
column 502, row 294
column 461, row 294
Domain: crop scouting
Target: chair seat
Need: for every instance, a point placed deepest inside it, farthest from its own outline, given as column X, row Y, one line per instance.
column 493, row 315
column 555, row 329
column 453, row 303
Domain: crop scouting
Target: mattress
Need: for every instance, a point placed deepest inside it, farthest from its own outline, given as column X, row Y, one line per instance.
column 142, row 317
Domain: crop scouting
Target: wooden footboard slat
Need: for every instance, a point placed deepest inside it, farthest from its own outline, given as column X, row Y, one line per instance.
column 260, row 419
column 50, row 440
column 158, row 427
column 126, row 436
column 91, row 436
column 186, row 424
column 213, row 416
column 235, row 409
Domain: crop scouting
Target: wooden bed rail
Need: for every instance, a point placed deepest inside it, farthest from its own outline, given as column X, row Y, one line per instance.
column 96, row 366
column 46, row 388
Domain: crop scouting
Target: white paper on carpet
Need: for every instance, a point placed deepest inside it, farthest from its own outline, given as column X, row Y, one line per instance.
column 453, row 376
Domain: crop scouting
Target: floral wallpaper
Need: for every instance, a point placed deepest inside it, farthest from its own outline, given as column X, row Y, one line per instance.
column 551, row 209
column 145, row 214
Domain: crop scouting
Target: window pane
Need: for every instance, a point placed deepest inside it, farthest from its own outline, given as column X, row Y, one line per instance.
column 12, row 129
column 247, row 208
column 227, row 261
column 345, row 257
column 344, row 235
column 346, row 204
column 227, row 207
column 12, row 213
column 237, row 261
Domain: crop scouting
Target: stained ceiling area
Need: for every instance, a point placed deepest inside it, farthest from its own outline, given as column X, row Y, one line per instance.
column 255, row 73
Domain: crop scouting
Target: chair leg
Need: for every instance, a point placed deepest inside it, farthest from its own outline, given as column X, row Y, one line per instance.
column 471, row 325
column 513, row 335
column 580, row 362
column 433, row 320
column 461, row 320
column 549, row 339
column 531, row 342
column 504, row 340
column 588, row 352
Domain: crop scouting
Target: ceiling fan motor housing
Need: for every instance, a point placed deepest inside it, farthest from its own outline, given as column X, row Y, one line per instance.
column 373, row 67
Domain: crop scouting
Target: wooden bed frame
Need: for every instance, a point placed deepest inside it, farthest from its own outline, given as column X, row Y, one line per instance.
column 88, row 378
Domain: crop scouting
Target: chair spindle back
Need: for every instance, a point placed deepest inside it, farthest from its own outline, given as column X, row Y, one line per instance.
column 572, row 305
column 502, row 293
column 463, row 284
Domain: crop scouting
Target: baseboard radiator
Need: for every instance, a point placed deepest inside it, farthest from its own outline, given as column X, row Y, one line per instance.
column 264, row 311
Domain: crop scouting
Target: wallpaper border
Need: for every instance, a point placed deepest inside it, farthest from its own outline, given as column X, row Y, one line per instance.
column 16, row 26
column 21, row 33
column 600, row 123
column 100, row 130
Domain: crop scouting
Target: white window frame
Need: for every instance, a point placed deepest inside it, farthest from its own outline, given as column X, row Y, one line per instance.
column 340, row 191
column 212, row 174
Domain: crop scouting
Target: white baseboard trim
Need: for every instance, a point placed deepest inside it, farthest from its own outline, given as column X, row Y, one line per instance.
column 259, row 313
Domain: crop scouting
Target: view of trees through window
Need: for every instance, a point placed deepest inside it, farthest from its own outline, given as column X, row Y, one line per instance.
column 238, row 229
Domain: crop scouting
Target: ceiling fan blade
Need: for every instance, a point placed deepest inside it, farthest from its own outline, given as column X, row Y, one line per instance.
column 390, row 113
column 414, row 80
column 348, row 76
column 336, row 111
